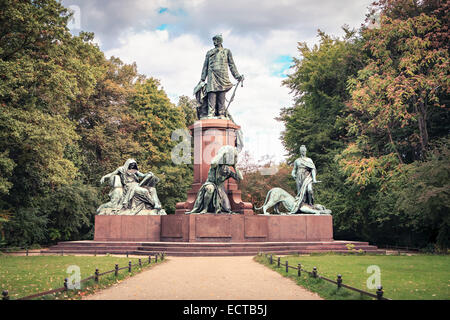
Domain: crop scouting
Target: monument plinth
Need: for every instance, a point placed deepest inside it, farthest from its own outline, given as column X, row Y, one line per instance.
column 209, row 136
column 214, row 228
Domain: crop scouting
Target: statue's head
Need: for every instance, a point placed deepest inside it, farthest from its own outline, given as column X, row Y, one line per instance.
column 131, row 164
column 303, row 150
column 217, row 40
column 226, row 155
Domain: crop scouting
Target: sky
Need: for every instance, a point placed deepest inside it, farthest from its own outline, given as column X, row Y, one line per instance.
column 168, row 40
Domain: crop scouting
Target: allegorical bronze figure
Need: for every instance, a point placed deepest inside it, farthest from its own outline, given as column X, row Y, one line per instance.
column 133, row 193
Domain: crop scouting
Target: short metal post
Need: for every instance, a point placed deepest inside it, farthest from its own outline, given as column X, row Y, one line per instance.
column 314, row 272
column 116, row 270
column 299, row 270
column 127, row 254
column 271, row 259
column 140, row 262
column 66, row 286
column 129, row 266
column 339, row 281
column 279, row 262
column 380, row 292
column 96, row 275
column 27, row 252
column 62, row 252
column 149, row 259
column 163, row 256
column 156, row 258
column 5, row 295
column 287, row 267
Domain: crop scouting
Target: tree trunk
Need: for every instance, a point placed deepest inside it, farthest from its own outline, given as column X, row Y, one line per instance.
column 393, row 145
column 420, row 109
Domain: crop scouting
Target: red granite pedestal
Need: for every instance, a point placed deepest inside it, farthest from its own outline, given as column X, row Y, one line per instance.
column 209, row 136
column 214, row 228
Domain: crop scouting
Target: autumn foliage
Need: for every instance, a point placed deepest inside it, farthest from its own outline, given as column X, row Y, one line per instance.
column 376, row 104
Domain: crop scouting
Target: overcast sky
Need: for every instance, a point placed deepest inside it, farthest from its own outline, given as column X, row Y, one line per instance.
column 168, row 39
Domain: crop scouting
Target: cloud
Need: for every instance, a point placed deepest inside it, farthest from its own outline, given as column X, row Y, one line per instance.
column 169, row 39
column 112, row 19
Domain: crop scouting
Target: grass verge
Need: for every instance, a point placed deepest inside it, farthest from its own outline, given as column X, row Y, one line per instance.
column 23, row 276
column 417, row 277
column 323, row 288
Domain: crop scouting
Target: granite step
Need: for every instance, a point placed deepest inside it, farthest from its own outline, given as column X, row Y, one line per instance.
column 236, row 247
column 204, row 253
column 206, row 248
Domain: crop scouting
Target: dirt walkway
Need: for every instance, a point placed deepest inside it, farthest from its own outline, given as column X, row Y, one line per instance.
column 206, row 278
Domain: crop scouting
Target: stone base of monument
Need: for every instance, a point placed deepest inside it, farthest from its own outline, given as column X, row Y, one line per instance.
column 214, row 227
column 211, row 235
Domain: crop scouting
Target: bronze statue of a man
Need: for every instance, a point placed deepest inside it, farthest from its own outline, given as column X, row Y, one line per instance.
column 211, row 95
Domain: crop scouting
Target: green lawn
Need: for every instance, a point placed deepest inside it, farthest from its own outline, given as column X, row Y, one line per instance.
column 417, row 277
column 23, row 276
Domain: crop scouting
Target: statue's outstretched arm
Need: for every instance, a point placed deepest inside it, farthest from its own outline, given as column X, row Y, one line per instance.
column 313, row 174
column 109, row 175
column 232, row 67
column 142, row 175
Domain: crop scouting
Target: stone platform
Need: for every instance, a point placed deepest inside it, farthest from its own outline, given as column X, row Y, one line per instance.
column 189, row 249
column 214, row 228
column 211, row 235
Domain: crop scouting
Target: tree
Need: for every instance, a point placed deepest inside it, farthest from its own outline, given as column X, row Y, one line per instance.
column 70, row 211
column 424, row 194
column 188, row 106
column 158, row 119
column 397, row 108
column 105, row 122
column 405, row 78
column 40, row 78
column 319, row 87
column 261, row 176
column 52, row 84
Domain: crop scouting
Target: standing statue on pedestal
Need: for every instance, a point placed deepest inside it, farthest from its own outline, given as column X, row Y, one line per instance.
column 304, row 173
column 212, row 196
column 211, row 95
column 129, row 196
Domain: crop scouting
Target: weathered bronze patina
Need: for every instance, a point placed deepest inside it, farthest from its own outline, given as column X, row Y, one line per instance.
column 212, row 196
column 304, row 173
column 133, row 192
column 211, row 94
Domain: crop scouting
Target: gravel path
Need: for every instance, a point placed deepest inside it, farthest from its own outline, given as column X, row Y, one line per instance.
column 206, row 278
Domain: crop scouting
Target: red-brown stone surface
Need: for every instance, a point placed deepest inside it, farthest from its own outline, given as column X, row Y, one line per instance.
column 211, row 227
column 209, row 136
